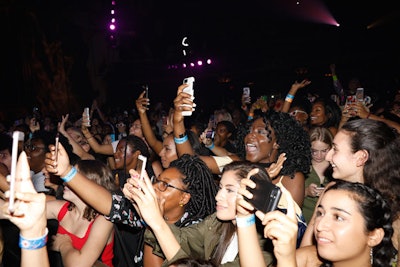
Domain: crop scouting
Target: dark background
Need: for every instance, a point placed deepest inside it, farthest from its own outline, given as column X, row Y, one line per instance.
column 256, row 43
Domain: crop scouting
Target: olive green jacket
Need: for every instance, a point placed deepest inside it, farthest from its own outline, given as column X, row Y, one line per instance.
column 198, row 241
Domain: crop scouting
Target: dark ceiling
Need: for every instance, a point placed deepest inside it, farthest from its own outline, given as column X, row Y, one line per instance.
column 256, row 42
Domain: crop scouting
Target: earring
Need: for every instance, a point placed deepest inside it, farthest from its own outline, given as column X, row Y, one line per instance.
column 371, row 255
column 180, row 205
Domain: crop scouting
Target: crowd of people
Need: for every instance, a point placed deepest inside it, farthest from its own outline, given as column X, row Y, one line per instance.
column 80, row 202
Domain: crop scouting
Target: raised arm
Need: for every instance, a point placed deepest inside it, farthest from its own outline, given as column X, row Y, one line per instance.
column 142, row 104
column 76, row 148
column 30, row 218
column 89, row 191
column 146, row 202
column 182, row 147
column 292, row 92
column 105, row 149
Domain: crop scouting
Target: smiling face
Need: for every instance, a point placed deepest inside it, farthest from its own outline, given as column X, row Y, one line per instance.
column 131, row 158
column 259, row 142
column 318, row 114
column 226, row 196
column 339, row 228
column 168, row 152
column 344, row 162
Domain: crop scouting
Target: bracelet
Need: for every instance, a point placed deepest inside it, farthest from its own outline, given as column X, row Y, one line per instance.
column 211, row 146
column 289, row 98
column 34, row 243
column 180, row 140
column 69, row 175
column 246, row 221
column 369, row 114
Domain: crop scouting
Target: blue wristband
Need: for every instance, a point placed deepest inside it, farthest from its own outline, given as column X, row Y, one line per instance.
column 211, row 146
column 35, row 243
column 69, row 175
column 180, row 140
column 246, row 221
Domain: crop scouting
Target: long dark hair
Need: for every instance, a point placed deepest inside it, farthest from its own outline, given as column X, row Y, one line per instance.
column 376, row 213
column 241, row 169
column 382, row 169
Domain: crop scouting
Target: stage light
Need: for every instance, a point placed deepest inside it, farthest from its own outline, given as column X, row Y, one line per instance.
column 191, row 64
column 199, row 62
column 184, row 65
column 208, row 61
column 112, row 27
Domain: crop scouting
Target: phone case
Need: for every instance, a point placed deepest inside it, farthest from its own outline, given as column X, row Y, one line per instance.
column 266, row 195
column 189, row 90
column 141, row 165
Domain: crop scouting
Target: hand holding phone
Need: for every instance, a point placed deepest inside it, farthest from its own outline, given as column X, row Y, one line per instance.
column 141, row 166
column 266, row 195
column 56, row 145
column 86, row 117
column 246, row 95
column 17, row 137
column 189, row 81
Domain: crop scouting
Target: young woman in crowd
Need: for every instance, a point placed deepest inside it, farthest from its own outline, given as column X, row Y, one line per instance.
column 321, row 172
column 83, row 236
column 352, row 228
column 367, row 151
column 187, row 187
column 272, row 135
column 325, row 113
column 214, row 238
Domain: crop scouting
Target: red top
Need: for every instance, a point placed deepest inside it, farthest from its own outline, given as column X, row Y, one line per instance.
column 78, row 242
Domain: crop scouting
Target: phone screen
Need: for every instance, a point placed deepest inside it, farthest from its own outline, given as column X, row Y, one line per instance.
column 56, row 145
column 266, row 195
column 17, row 136
column 141, row 165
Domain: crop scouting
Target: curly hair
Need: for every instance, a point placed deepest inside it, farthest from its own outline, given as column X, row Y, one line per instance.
column 98, row 172
column 382, row 169
column 292, row 140
column 376, row 213
column 201, row 186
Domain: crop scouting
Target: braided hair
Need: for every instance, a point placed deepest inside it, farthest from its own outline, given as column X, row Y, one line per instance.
column 201, row 186
column 376, row 213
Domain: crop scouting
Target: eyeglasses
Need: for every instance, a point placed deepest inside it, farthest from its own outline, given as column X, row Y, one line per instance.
column 294, row 112
column 323, row 151
column 120, row 124
column 162, row 186
column 31, row 147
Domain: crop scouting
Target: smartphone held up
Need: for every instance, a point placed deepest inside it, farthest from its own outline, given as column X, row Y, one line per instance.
column 17, row 137
column 86, row 117
column 141, row 166
column 266, row 195
column 189, row 89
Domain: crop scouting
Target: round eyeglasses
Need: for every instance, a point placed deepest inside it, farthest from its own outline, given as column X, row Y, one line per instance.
column 162, row 186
